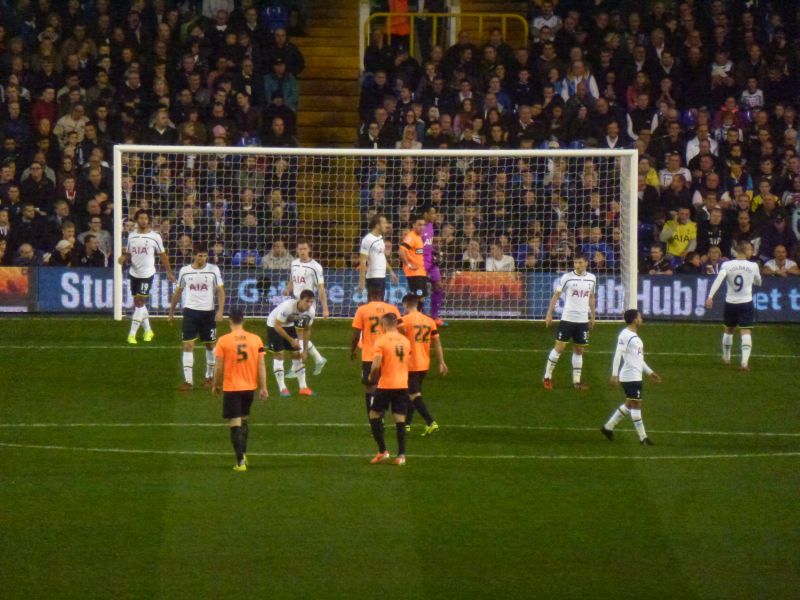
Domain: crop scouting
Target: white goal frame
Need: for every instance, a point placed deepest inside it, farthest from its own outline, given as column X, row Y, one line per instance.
column 630, row 203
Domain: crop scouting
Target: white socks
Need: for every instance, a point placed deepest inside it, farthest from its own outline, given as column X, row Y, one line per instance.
column 188, row 366
column 136, row 320
column 636, row 417
column 552, row 359
column 727, row 343
column 300, row 370
column 577, row 366
column 312, row 352
column 145, row 318
column 747, row 346
column 211, row 363
column 277, row 369
column 616, row 417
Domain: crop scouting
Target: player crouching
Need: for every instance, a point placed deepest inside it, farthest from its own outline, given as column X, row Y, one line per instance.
column 282, row 325
column 198, row 283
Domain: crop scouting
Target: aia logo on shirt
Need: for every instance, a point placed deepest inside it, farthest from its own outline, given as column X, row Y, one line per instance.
column 580, row 293
column 142, row 250
column 299, row 279
column 198, row 287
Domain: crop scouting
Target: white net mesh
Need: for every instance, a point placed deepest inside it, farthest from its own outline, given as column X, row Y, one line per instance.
column 507, row 224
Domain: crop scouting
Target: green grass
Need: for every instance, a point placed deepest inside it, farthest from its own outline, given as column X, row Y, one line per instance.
column 573, row 516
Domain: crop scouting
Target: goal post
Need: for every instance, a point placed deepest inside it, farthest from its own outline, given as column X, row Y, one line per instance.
column 508, row 222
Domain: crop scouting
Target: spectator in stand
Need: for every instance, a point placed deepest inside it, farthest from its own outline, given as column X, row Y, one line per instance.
column 472, row 259
column 680, row 235
column 91, row 256
column 278, row 137
column 691, row 265
column 281, row 81
column 498, row 261
column 776, row 232
column 780, row 265
column 285, row 51
column 26, row 256
column 162, row 132
column 100, row 235
column 656, row 263
column 378, row 56
column 278, row 258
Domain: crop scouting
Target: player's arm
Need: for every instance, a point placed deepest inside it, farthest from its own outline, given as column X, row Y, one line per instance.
column 592, row 309
column 262, row 375
column 375, row 369
column 648, row 371
column 219, row 373
column 437, row 346
column 404, row 252
column 167, row 266
column 392, row 274
column 354, row 342
column 306, row 341
column 323, row 300
column 616, row 364
column 124, row 257
column 289, row 289
column 714, row 287
column 362, row 271
column 173, row 302
column 282, row 332
column 553, row 301
column 220, row 302
column 757, row 277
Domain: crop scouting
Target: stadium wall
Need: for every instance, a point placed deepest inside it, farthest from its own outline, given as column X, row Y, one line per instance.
column 490, row 295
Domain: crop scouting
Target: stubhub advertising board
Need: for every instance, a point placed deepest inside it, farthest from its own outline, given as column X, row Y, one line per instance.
column 487, row 295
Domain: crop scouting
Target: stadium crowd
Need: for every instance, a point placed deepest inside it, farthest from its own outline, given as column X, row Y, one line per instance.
column 77, row 77
column 706, row 91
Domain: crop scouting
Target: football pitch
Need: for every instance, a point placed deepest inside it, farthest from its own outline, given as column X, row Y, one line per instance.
column 113, row 484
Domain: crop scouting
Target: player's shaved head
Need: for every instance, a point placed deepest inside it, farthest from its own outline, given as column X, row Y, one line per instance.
column 410, row 300
column 389, row 320
column 237, row 316
column 375, row 295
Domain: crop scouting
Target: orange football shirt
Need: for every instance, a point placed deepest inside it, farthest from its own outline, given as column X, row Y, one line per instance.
column 368, row 321
column 414, row 254
column 394, row 350
column 239, row 352
column 420, row 330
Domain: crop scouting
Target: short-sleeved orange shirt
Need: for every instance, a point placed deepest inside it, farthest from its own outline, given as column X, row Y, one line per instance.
column 414, row 254
column 239, row 352
column 394, row 350
column 420, row 330
column 368, row 321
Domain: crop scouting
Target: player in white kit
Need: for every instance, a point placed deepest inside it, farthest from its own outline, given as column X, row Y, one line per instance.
column 199, row 284
column 628, row 369
column 143, row 246
column 740, row 274
column 577, row 319
column 307, row 274
column 282, row 337
column 373, row 266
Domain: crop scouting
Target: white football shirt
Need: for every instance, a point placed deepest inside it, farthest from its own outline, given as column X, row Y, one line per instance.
column 740, row 275
column 305, row 276
column 286, row 314
column 199, row 286
column 576, row 290
column 630, row 357
column 143, row 248
column 372, row 246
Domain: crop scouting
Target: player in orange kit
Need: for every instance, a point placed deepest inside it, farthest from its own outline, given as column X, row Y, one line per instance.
column 421, row 332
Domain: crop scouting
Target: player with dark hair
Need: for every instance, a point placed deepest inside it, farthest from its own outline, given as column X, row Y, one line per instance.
column 740, row 274
column 198, row 283
column 367, row 329
column 373, row 266
column 421, row 332
column 239, row 372
column 411, row 256
column 282, row 325
column 627, row 369
column 431, row 263
column 143, row 246
column 390, row 371
column 577, row 319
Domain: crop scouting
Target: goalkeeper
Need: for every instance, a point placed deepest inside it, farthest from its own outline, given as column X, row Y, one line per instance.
column 431, row 263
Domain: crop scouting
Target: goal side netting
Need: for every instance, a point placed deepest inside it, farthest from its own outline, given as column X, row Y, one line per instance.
column 507, row 225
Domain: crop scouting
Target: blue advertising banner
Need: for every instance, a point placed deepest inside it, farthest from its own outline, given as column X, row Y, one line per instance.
column 486, row 295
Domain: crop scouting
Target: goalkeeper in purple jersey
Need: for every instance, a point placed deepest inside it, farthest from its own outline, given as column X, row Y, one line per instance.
column 431, row 264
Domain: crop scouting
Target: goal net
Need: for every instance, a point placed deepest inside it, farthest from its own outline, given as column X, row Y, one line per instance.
column 507, row 225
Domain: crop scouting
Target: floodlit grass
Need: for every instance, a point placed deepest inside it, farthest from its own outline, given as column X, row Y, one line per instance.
column 116, row 485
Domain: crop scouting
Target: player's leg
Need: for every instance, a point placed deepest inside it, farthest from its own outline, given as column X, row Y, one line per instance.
column 437, row 294
column 727, row 344
column 747, row 347
column 211, row 363
column 299, row 368
column 618, row 415
column 369, row 389
column 555, row 354
column 244, row 431
column 208, row 334
column 580, row 338
column 635, row 407
column 148, row 331
column 138, row 304
column 278, row 371
column 232, row 411
column 376, row 412
column 319, row 360
column 399, row 403
column 188, row 365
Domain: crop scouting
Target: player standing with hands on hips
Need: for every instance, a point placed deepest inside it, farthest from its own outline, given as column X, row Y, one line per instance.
column 740, row 274
column 628, row 368
column 200, row 282
column 372, row 266
column 577, row 319
column 239, row 372
column 143, row 245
